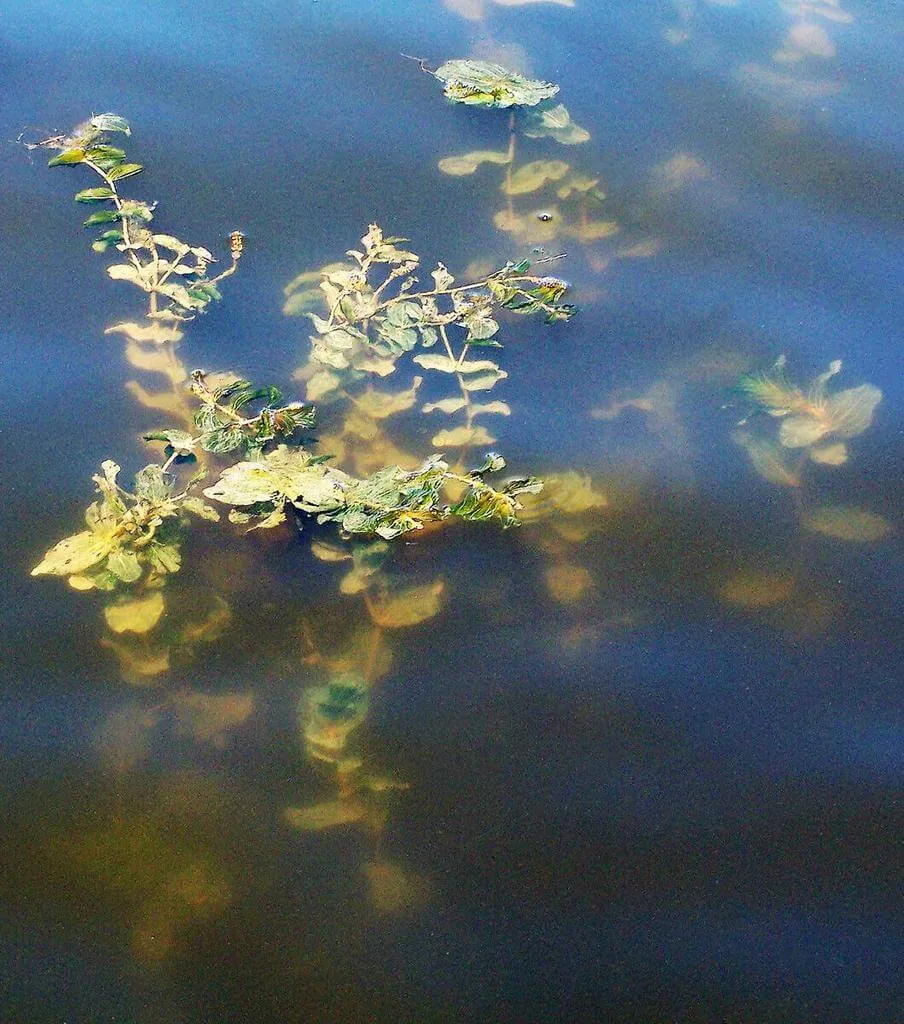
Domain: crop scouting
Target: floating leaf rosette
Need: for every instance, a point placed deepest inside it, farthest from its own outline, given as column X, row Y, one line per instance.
column 481, row 84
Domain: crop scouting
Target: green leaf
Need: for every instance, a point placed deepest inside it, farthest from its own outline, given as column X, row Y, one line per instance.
column 75, row 155
column 101, row 154
column 479, row 83
column 164, row 558
column 102, row 217
column 124, row 171
column 107, row 240
column 110, row 123
column 152, row 485
column 124, row 565
column 94, row 195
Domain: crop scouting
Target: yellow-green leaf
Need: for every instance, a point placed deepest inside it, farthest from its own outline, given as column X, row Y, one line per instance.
column 468, row 163
column 534, row 176
column 458, row 437
column 135, row 615
column 73, row 555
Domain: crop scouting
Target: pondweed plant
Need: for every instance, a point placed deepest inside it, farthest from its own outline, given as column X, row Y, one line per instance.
column 810, row 426
column 368, row 326
column 573, row 200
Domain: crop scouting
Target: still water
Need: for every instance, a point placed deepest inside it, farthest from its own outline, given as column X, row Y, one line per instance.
column 638, row 761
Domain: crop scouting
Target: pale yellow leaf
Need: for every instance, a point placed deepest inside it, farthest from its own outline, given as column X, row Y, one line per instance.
column 460, row 436
column 329, row 814
column 801, row 431
column 534, row 176
column 135, row 615
column 399, row 609
column 830, row 454
column 72, row 555
column 468, row 163
column 155, row 361
column 847, row 522
column 154, row 332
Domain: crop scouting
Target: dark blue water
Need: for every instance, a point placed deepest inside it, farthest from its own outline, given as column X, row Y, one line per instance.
column 675, row 797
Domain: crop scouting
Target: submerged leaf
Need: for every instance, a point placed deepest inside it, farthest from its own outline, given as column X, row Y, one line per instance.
column 847, row 522
column 404, row 608
column 556, row 123
column 534, row 176
column 460, row 436
column 767, row 460
column 135, row 615
column 468, row 163
column 850, row 412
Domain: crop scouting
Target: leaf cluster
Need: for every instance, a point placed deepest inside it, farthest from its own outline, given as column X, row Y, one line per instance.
column 130, row 535
column 813, row 420
column 386, row 504
column 169, row 270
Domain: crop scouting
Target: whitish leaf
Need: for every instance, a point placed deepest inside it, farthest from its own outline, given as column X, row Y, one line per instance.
column 135, row 615
column 468, row 163
column 171, row 242
column 154, row 332
column 478, row 83
column 329, row 552
column 556, row 123
column 73, row 555
column 442, row 279
column 110, row 123
column 435, row 362
column 801, row 431
column 483, row 381
column 534, row 176
column 850, row 412
column 491, row 408
column 460, row 436
column 321, row 384
column 129, row 272
column 404, row 608
column 830, row 454
column 767, row 460
column 847, row 522
column 447, row 405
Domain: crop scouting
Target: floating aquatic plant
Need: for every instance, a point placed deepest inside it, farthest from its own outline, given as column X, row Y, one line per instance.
column 481, row 84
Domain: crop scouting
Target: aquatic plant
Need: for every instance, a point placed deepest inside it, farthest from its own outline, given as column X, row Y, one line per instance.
column 174, row 274
column 132, row 536
column 815, row 425
column 374, row 315
column 574, row 198
column 813, row 420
